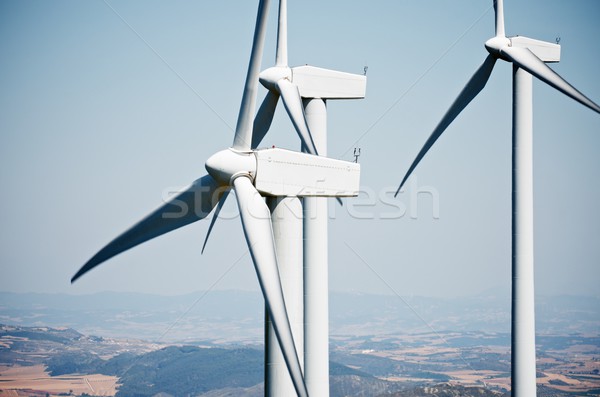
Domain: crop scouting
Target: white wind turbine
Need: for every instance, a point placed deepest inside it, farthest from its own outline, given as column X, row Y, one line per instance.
column 285, row 82
column 250, row 173
column 278, row 80
column 528, row 57
column 304, row 91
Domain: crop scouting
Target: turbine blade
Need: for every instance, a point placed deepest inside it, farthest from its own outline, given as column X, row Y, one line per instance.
column 264, row 118
column 256, row 221
column 192, row 204
column 473, row 87
column 293, row 105
column 215, row 216
column 243, row 129
column 527, row 60
column 499, row 12
column 281, row 55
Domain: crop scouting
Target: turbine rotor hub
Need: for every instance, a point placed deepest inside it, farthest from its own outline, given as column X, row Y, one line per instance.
column 269, row 77
column 495, row 45
column 228, row 164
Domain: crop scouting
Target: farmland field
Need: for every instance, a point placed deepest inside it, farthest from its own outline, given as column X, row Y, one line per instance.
column 34, row 380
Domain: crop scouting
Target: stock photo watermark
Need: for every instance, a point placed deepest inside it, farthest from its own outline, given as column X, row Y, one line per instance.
column 413, row 201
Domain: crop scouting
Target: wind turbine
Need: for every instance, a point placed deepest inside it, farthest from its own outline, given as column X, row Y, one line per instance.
column 528, row 57
column 278, row 80
column 250, row 173
column 304, row 91
column 294, row 84
column 236, row 168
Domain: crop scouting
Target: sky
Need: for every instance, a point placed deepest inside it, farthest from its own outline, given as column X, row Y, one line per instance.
column 108, row 106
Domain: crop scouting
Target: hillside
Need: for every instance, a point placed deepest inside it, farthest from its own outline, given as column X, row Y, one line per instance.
column 148, row 369
column 210, row 343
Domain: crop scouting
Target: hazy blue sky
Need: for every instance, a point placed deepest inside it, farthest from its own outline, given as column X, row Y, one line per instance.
column 96, row 128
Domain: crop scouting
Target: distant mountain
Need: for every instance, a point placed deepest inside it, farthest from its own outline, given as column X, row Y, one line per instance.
column 237, row 316
column 202, row 316
column 360, row 314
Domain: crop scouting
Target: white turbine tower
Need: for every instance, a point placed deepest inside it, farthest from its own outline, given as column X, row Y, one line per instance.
column 528, row 57
column 250, row 173
column 304, row 91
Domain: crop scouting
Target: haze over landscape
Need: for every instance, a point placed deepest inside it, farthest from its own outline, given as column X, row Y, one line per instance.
column 379, row 345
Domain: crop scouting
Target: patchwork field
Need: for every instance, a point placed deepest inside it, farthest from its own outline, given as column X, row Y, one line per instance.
column 35, row 380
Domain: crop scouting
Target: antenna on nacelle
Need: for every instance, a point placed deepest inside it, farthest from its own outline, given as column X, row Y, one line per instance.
column 356, row 154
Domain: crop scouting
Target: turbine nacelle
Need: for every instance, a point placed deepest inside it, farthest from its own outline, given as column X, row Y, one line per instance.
column 544, row 50
column 281, row 172
column 271, row 76
column 228, row 164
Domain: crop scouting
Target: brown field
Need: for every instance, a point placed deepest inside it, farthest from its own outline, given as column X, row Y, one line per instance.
column 16, row 381
column 570, row 384
column 493, row 378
